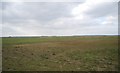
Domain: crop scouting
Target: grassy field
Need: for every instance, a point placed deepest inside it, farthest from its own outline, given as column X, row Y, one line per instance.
column 85, row 53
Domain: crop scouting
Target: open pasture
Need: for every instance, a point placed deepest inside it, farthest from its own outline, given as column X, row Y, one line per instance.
column 65, row 53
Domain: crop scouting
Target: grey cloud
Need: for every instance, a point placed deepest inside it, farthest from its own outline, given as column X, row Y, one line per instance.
column 103, row 9
column 4, row 5
column 8, row 31
column 39, row 11
column 32, row 18
column 45, row 0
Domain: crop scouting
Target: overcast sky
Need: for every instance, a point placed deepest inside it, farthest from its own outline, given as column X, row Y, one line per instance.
column 59, row 18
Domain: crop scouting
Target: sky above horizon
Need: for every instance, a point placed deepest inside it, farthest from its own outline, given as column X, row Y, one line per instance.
column 59, row 18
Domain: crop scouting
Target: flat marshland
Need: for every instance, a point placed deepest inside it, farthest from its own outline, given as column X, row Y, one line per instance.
column 65, row 53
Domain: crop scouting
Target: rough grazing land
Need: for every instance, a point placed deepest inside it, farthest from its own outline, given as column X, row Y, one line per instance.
column 85, row 53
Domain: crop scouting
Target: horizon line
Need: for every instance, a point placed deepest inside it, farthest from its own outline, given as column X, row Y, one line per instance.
column 59, row 35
